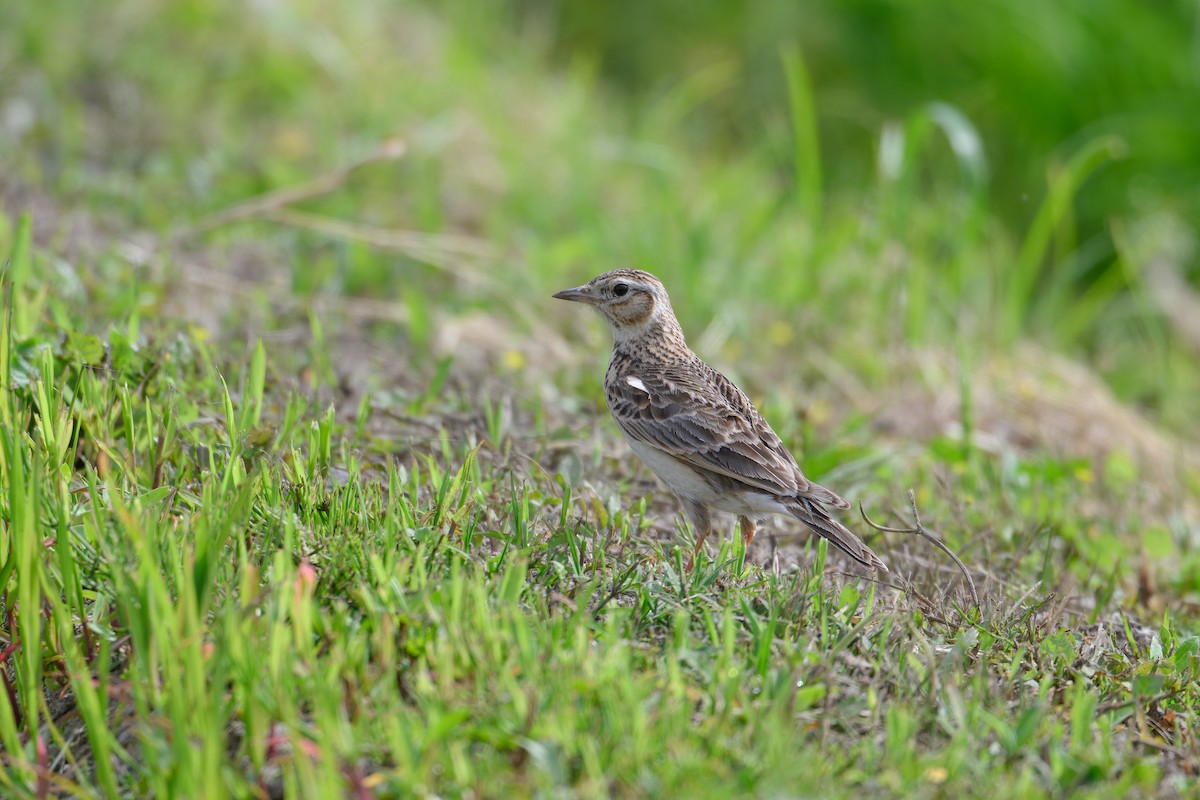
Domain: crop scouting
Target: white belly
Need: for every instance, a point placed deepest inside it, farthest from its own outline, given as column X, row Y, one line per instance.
column 682, row 479
column 686, row 482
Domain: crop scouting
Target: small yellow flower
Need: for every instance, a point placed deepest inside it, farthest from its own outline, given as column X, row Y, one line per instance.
column 513, row 360
column 779, row 333
column 819, row 412
column 292, row 142
column 937, row 774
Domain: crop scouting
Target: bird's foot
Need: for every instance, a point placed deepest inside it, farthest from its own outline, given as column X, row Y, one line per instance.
column 748, row 528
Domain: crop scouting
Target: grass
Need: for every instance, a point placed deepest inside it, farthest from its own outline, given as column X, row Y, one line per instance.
column 317, row 498
column 235, row 607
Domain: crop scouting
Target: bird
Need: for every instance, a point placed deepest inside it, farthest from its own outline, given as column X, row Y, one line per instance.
column 694, row 428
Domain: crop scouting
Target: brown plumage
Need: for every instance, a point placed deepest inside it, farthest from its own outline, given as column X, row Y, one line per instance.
column 693, row 427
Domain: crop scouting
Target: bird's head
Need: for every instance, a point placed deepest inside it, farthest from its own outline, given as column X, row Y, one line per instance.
column 634, row 302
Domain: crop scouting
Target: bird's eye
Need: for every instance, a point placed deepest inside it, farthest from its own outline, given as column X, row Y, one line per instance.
column 621, row 289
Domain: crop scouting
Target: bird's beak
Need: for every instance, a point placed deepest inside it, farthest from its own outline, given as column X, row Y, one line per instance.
column 580, row 294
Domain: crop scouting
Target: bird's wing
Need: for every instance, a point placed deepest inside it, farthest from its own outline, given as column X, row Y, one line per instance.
column 701, row 418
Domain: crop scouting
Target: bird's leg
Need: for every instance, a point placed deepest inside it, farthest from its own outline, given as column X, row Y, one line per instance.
column 702, row 523
column 747, row 527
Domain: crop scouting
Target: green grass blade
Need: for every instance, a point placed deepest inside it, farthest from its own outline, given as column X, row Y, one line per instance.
column 1018, row 287
column 805, row 136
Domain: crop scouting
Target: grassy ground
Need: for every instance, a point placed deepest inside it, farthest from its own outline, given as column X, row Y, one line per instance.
column 308, row 488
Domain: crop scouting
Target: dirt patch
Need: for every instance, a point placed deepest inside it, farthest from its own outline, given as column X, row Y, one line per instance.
column 1037, row 402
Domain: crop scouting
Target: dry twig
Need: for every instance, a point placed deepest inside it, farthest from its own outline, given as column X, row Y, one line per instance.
column 448, row 252
column 920, row 530
column 265, row 204
column 444, row 251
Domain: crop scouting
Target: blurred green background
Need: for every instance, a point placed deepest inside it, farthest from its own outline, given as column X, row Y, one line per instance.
column 346, row 510
column 991, row 171
column 1035, row 80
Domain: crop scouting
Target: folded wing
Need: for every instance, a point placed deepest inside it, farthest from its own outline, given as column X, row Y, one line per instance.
column 700, row 417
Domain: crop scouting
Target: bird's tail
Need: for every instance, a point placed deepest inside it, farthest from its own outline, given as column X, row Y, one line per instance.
column 817, row 518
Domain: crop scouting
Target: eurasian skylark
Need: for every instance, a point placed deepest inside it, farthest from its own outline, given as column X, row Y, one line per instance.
column 693, row 427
